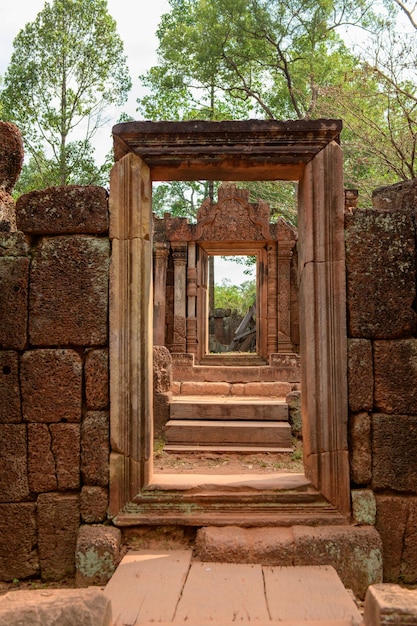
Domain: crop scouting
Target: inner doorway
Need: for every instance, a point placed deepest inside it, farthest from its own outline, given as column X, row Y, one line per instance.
column 229, row 388
column 232, row 313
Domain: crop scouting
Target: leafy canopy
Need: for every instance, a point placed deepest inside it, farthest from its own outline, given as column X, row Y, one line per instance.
column 66, row 69
column 289, row 60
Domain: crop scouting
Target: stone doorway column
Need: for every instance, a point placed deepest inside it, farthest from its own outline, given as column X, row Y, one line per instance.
column 160, row 279
column 192, row 299
column 285, row 250
column 179, row 255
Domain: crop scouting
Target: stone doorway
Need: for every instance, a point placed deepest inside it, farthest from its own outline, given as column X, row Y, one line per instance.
column 231, row 399
column 307, row 152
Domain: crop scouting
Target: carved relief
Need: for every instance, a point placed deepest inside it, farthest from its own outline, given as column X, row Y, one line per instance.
column 233, row 217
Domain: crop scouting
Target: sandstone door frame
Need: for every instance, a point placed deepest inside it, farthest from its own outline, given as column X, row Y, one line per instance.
column 303, row 151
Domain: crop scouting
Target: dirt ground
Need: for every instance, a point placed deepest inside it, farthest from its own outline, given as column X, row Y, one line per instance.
column 226, row 462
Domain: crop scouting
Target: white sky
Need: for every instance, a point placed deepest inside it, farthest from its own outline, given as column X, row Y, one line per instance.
column 137, row 21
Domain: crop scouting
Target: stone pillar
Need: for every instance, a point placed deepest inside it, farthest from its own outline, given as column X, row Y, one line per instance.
column 179, row 254
column 272, row 300
column 131, row 407
column 192, row 299
column 285, row 249
column 159, row 302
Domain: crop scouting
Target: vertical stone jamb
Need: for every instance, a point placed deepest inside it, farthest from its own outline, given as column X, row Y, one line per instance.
column 179, row 254
column 130, row 329
column 160, row 279
column 262, row 303
column 192, row 299
column 323, row 326
column 285, row 250
column 272, row 300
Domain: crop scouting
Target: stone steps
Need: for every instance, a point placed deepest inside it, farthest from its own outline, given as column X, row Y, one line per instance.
column 227, row 424
column 228, row 408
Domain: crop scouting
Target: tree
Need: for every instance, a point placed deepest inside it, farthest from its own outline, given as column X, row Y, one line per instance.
column 67, row 67
column 378, row 104
column 238, row 298
column 251, row 58
column 261, row 57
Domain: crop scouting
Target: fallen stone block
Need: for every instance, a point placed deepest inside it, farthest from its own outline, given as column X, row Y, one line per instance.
column 48, row 607
column 387, row 604
column 97, row 554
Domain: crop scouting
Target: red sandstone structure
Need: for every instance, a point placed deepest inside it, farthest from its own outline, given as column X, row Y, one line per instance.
column 76, row 277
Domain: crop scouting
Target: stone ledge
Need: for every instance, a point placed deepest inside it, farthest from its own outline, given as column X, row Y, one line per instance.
column 48, row 607
column 354, row 552
column 388, row 604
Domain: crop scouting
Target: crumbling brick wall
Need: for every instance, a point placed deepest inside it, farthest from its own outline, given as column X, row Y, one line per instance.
column 54, row 392
column 382, row 368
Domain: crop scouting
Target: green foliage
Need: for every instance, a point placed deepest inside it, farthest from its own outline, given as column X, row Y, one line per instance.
column 238, row 298
column 234, row 59
column 67, row 67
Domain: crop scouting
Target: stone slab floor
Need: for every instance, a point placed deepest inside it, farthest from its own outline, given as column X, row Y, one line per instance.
column 169, row 587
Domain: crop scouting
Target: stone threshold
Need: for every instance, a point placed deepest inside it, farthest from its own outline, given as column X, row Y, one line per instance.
column 283, row 499
column 278, row 482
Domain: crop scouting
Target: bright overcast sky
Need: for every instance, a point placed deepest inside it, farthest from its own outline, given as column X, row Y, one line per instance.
column 137, row 21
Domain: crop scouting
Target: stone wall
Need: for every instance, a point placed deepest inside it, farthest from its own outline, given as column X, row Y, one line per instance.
column 382, row 367
column 54, row 396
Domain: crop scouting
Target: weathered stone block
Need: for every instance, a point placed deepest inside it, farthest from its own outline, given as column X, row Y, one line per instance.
column 66, row 607
column 269, row 546
column 269, row 389
column 394, row 459
column 386, row 605
column 18, row 545
column 399, row 197
column 94, row 502
column 381, row 274
column 355, row 552
column 162, row 369
column 363, row 506
column 160, row 412
column 10, row 404
column 98, row 554
column 97, row 379
column 11, row 155
column 395, row 371
column 66, row 439
column 54, row 457
column 409, row 560
column 59, row 210
column 13, row 462
column 360, row 375
column 68, row 302
column 41, row 460
column 293, row 400
column 14, row 285
column 95, row 448
column 391, row 522
column 51, row 383
column 191, row 388
column 13, row 244
column 58, row 523
column 7, row 212
column 360, row 448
